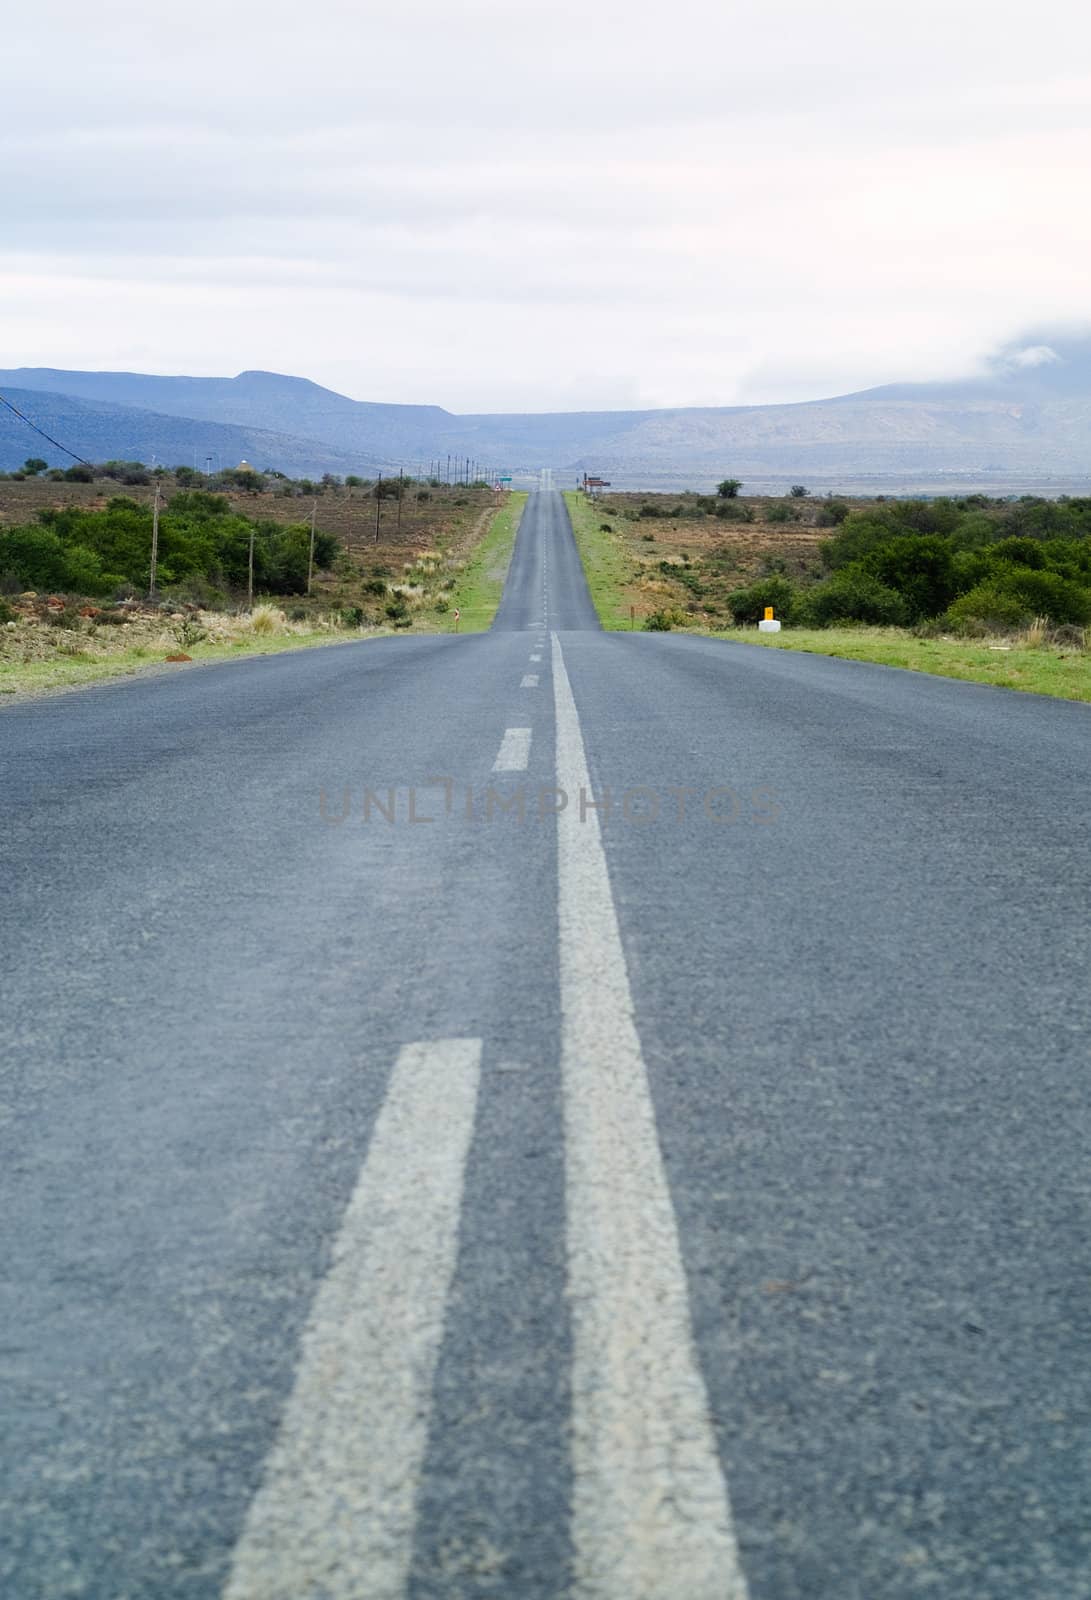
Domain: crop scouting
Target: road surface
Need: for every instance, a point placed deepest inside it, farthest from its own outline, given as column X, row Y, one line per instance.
column 525, row 1197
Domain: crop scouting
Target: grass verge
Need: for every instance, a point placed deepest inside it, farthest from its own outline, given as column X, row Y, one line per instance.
column 606, row 565
column 477, row 592
column 22, row 679
column 1064, row 674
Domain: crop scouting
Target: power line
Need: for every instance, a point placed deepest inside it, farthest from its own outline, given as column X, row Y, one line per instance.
column 41, row 431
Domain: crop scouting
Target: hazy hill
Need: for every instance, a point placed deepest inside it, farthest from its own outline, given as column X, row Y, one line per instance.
column 1026, row 420
column 100, row 431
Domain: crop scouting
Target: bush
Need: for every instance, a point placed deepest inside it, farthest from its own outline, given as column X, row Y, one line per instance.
column 443, row 605
column 748, row 605
column 189, row 632
column 920, row 568
column 832, row 513
column 661, row 621
column 777, row 511
column 734, row 511
column 266, row 619
column 79, row 474
column 852, row 596
column 353, row 617
column 988, row 606
column 798, row 491
column 374, row 586
column 729, row 488
column 1010, row 597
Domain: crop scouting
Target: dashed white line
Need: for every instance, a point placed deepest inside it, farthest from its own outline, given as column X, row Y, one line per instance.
column 336, row 1512
column 650, row 1514
column 536, row 657
column 514, row 751
column 530, row 681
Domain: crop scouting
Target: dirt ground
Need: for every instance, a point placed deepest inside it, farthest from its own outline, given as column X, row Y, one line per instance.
column 687, row 559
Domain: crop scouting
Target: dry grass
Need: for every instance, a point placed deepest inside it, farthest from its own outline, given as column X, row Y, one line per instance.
column 267, row 619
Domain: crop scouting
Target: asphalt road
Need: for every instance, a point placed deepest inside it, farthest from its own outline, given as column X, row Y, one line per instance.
column 684, row 1197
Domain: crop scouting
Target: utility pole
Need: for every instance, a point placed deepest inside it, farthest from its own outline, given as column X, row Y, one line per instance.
column 401, row 490
column 310, row 561
column 378, row 505
column 155, row 543
column 448, row 466
column 250, row 571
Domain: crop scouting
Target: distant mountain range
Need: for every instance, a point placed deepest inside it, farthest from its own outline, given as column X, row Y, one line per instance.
column 1024, row 423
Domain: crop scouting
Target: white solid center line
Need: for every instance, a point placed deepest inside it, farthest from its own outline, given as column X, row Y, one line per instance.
column 336, row 1511
column 530, row 681
column 650, row 1514
column 514, row 751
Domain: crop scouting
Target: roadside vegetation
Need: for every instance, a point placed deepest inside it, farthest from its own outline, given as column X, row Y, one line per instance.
column 75, row 566
column 476, row 594
column 996, row 590
column 606, row 564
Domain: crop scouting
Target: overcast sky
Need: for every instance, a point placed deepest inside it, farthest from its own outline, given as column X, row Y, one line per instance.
column 504, row 204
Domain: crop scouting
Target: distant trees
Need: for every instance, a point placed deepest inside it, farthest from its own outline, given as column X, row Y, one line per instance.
column 969, row 565
column 729, row 488
column 34, row 465
column 798, row 491
column 201, row 540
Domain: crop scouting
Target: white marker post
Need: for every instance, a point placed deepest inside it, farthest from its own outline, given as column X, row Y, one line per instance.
column 769, row 624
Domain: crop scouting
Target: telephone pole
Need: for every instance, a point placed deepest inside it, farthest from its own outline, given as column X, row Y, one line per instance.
column 310, row 561
column 155, row 544
column 378, row 505
column 250, row 571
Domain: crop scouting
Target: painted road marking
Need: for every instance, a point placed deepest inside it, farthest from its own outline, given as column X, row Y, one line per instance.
column 530, row 681
column 650, row 1514
column 336, row 1511
column 536, row 657
column 514, row 751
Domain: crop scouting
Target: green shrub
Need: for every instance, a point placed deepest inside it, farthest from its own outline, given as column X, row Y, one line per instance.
column 660, row 621
column 777, row 511
column 748, row 605
column 987, row 605
column 374, row 586
column 860, row 532
column 1046, row 594
column 734, row 511
column 442, row 605
column 353, row 616
column 920, row 568
column 852, row 596
column 832, row 513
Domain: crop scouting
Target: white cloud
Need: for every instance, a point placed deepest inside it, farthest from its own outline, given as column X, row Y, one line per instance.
column 1036, row 355
column 540, row 206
